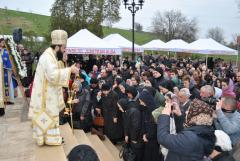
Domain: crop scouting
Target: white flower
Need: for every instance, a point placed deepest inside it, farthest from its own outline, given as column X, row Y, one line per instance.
column 21, row 67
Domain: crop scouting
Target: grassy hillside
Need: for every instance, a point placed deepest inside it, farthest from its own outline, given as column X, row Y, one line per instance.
column 10, row 19
column 140, row 37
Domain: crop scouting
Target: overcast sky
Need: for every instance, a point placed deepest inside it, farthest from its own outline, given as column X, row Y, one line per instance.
column 209, row 13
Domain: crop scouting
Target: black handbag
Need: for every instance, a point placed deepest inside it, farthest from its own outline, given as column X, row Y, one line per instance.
column 127, row 153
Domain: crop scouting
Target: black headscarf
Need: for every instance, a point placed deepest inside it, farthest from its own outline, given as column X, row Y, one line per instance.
column 159, row 70
column 148, row 99
column 168, row 84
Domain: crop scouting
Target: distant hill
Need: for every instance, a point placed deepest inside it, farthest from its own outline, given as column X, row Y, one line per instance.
column 10, row 19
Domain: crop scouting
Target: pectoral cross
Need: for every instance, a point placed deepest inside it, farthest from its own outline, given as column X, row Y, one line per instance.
column 43, row 120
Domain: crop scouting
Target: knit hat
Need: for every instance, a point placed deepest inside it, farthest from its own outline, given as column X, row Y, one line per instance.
column 105, row 87
column 223, row 140
column 199, row 113
column 123, row 102
column 131, row 90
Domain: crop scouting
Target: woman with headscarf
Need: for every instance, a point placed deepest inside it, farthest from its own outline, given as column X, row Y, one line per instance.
column 196, row 140
column 132, row 126
column 81, row 108
column 149, row 129
column 119, row 88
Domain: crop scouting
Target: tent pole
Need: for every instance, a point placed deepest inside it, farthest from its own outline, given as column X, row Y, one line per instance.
column 206, row 60
column 237, row 62
column 143, row 56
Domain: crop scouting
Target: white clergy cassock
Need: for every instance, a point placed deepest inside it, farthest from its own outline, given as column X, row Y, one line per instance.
column 47, row 98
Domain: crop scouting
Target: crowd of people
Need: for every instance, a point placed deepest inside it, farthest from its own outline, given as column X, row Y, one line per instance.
column 162, row 108
column 165, row 108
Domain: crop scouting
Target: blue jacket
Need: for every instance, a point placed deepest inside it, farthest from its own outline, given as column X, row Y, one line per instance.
column 229, row 123
column 191, row 144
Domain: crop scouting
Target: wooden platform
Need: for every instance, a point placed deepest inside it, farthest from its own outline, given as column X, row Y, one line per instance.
column 17, row 143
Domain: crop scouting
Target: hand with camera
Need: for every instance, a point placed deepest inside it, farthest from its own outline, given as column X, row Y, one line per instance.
column 167, row 109
column 176, row 109
column 219, row 105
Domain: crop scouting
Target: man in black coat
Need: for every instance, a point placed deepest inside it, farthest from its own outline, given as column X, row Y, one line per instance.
column 108, row 104
column 196, row 140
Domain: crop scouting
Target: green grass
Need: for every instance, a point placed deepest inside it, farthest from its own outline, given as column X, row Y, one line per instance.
column 10, row 19
column 140, row 37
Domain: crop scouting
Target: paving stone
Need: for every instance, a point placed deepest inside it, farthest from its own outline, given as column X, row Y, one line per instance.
column 16, row 134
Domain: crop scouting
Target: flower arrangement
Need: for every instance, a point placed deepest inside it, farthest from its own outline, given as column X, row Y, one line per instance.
column 16, row 57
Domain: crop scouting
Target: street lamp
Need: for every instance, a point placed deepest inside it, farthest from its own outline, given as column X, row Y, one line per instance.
column 133, row 7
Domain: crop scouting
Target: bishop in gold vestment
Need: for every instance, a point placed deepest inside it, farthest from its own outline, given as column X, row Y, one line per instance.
column 47, row 96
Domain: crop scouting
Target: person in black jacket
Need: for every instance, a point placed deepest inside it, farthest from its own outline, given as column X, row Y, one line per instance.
column 133, row 126
column 149, row 129
column 158, row 76
column 112, row 124
column 196, row 140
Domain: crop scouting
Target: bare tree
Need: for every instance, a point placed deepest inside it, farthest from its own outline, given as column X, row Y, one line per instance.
column 234, row 37
column 174, row 25
column 216, row 33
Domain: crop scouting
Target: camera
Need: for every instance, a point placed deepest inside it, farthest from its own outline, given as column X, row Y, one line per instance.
column 210, row 100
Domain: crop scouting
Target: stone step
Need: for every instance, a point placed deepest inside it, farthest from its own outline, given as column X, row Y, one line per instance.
column 69, row 139
column 82, row 137
column 112, row 148
column 50, row 153
column 103, row 153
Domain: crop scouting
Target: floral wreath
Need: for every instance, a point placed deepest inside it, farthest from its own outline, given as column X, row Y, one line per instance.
column 17, row 60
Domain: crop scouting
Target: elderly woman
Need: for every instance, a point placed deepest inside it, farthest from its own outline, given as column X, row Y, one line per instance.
column 197, row 138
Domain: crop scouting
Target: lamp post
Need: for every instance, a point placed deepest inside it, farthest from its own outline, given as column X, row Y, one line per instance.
column 133, row 7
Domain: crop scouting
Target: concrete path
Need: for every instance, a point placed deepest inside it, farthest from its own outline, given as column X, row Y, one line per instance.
column 16, row 143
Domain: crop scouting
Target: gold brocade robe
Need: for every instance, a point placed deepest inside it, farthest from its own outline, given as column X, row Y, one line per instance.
column 47, row 89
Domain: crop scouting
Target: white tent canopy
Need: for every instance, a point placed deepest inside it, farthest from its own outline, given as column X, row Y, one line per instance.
column 175, row 45
column 85, row 42
column 209, row 47
column 123, row 43
column 155, row 45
